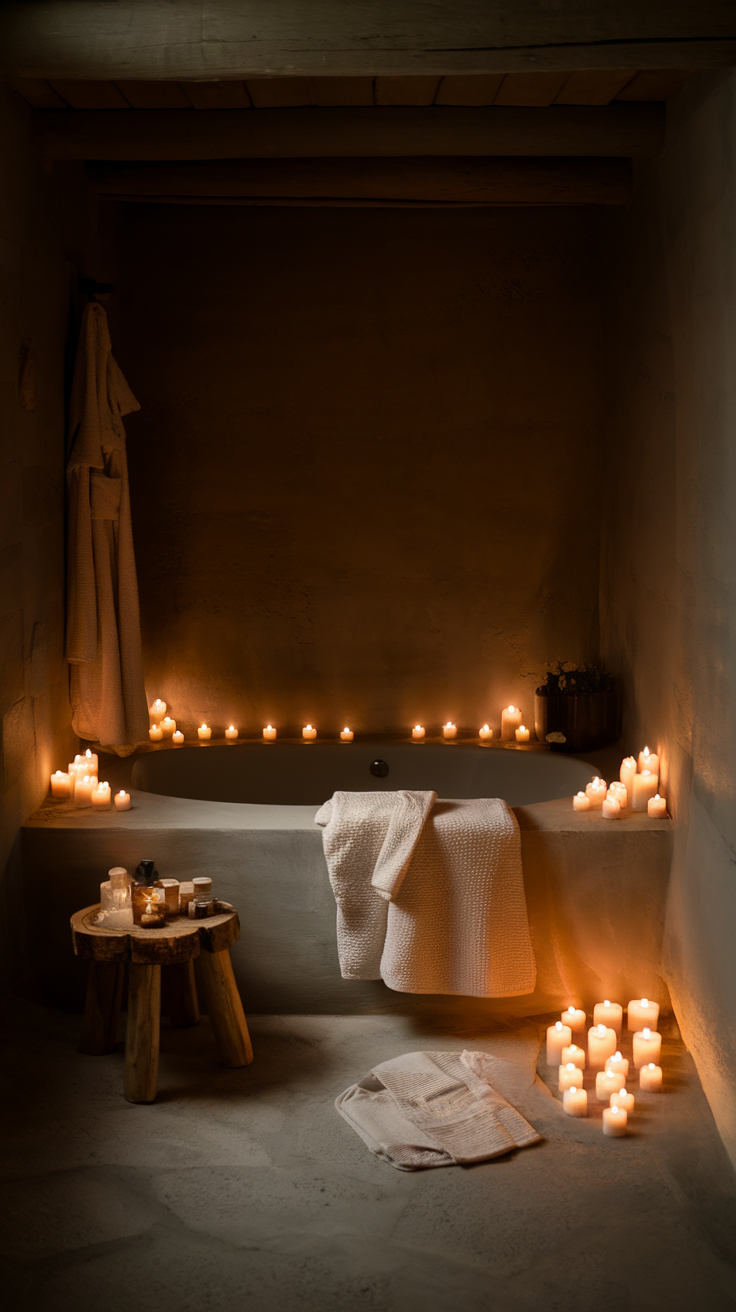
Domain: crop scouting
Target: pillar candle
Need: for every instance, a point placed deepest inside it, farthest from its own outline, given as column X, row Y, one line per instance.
column 619, row 791
column 614, row 1122
column 204, row 733
column 155, row 733
column 309, row 734
column 157, row 711
column 575, row 1102
column 485, row 733
column 641, row 1012
column 449, row 730
column 644, row 786
column 627, row 772
column 558, row 1037
column 611, row 807
column 510, row 722
column 101, row 797
column 61, row 784
column 231, row 733
column 177, row 738
column 569, row 1076
column 346, row 735
column 574, row 1054
column 650, row 1078
column 580, row 802
column 122, row 800
column 607, row 1082
column 83, row 789
column 601, row 1044
column 596, row 790
column 647, row 1047
column 269, row 734
column 418, row 733
column 618, row 1063
column 167, row 724
column 648, row 761
column 657, row 807
column 609, row 1013
column 575, row 1018
column 620, row 1098
column 523, row 734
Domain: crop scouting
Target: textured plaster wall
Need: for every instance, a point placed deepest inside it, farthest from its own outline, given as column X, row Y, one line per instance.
column 669, row 558
column 365, row 476
column 38, row 213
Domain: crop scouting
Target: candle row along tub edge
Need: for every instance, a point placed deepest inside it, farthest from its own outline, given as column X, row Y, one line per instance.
column 604, row 1038
column 637, row 789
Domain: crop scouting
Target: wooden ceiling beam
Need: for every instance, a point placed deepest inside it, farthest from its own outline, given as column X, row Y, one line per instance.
column 621, row 129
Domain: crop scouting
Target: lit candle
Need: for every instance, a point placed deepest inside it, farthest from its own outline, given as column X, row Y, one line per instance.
column 61, row 784
column 609, row 1013
column 575, row 1018
column 309, row 733
column 650, row 1078
column 575, row 1102
column 155, row 733
column 620, row 1098
column 101, row 797
column 157, row 711
column 627, row 772
column 167, row 724
column 204, row 733
column 601, row 1044
column 642, row 1012
column 569, row 1076
column 574, row 1054
column 611, row 807
column 614, row 1122
column 510, row 722
column 90, row 762
column 449, row 730
column 558, row 1037
column 122, row 800
column 523, row 734
column 346, row 735
column 618, row 1063
column 607, row 1082
column 619, row 791
column 269, row 733
column 485, row 733
column 596, row 790
column 418, row 732
column 231, row 733
column 580, row 802
column 657, row 807
column 648, row 761
column 177, row 738
column 83, row 789
column 644, row 786
column 647, row 1047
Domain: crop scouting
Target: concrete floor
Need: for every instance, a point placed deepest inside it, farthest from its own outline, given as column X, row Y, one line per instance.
column 246, row 1189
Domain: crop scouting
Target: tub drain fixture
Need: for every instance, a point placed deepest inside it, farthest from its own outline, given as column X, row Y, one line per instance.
column 379, row 769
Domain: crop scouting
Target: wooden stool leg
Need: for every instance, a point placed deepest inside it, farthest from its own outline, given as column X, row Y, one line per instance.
column 225, row 1008
column 179, row 992
column 142, row 1034
column 102, row 1007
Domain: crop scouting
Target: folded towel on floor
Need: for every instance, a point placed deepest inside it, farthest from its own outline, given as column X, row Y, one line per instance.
column 457, row 920
column 430, row 1109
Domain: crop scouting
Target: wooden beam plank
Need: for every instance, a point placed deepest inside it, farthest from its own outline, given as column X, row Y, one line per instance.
column 39, row 94
column 279, row 92
column 217, row 95
column 338, row 91
column 534, row 89
column 94, row 39
column 420, row 179
column 635, row 130
column 655, row 84
column 154, row 95
column 459, row 89
column 91, row 95
column 406, row 90
column 594, row 87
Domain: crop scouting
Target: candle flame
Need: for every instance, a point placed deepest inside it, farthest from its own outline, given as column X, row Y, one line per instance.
column 522, row 728
column 581, row 793
column 558, row 1025
column 645, row 1002
column 616, row 1056
column 652, row 1067
column 646, row 751
column 571, row 1065
column 308, row 726
column 346, row 730
column 573, row 1088
column 512, row 708
column 485, row 728
column 606, row 1003
column 614, row 1111
column 601, row 1029
column 647, row 1033
column 88, row 752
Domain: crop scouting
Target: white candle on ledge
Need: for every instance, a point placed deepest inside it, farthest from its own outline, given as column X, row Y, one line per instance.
column 601, row 1044
column 231, row 733
column 510, row 722
column 559, row 1036
column 418, row 733
column 101, row 797
column 580, row 802
column 608, row 1082
column 575, row 1102
column 621, row 1098
column 155, row 733
column 596, row 790
column 309, row 734
column 168, row 725
column 122, row 800
column 90, row 762
column 449, row 730
column 648, row 761
column 569, row 1076
column 523, row 734
column 641, row 1013
column 619, row 791
column 618, row 1063
column 657, row 807
column 614, row 1122
column 485, row 733
column 609, row 1013
column 644, row 786
column 83, row 789
column 61, row 784
column 647, row 1047
column 650, row 1078
column 204, row 733
column 269, row 733
column 627, row 772
column 574, row 1054
column 611, row 807
column 177, row 738
column 346, row 735
column 575, row 1018
column 157, row 711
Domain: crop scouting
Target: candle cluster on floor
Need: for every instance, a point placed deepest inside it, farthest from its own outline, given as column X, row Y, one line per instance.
column 607, row 1068
column 636, row 789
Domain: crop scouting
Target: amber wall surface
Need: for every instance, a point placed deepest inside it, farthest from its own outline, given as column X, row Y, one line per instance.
column 365, row 475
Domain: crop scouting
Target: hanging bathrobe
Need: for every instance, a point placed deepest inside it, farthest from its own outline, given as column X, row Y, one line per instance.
column 103, row 640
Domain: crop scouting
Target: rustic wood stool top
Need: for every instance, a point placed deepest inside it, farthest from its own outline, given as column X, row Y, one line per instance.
column 178, row 941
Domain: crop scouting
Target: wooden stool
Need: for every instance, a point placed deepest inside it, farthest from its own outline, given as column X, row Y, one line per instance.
column 145, row 951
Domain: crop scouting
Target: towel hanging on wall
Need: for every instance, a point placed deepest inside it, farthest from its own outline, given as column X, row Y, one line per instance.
column 103, row 639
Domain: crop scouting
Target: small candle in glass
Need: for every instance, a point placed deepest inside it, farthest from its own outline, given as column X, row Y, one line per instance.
column 620, row 1098
column 101, row 797
column 61, row 784
column 177, row 738
column 647, row 1047
column 523, row 734
column 510, row 722
column 657, row 807
column 569, row 1076
column 157, row 711
column 575, row 1102
column 641, row 1013
column 575, row 1018
column 346, row 735
column 418, row 733
column 168, row 725
column 611, row 807
column 618, row 1063
column 650, row 1078
column 269, row 733
column 648, row 761
column 231, row 733
column 614, row 1122
column 309, row 733
column 485, row 733
column 121, row 801
column 580, row 802
column 607, row 1082
column 609, row 1013
column 574, row 1054
column 204, row 733
column 596, row 790
column 155, row 733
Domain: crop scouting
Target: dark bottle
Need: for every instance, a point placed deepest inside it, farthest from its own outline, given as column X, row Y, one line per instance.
column 145, row 895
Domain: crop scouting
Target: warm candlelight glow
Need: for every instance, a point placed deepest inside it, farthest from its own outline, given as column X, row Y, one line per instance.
column 62, row 784
column 596, row 791
column 523, row 734
column 155, row 733
column 157, row 711
column 485, row 732
column 269, row 733
column 657, row 807
column 347, row 735
column 177, row 738
column 418, row 732
column 510, row 722
column 204, row 733
column 168, row 725
column 231, row 733
column 101, row 797
column 580, row 802
column 449, row 730
column 122, row 800
column 309, row 733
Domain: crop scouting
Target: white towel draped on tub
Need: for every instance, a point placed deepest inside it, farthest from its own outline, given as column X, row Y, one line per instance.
column 456, row 921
